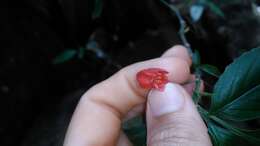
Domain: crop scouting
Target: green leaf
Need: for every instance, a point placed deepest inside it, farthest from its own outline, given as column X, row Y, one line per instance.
column 65, row 56
column 236, row 98
column 246, row 107
column 225, row 137
column 239, row 81
column 221, row 136
column 98, row 8
column 81, row 53
column 196, row 58
column 229, row 2
column 213, row 7
column 210, row 69
column 254, row 133
column 196, row 93
column 246, row 137
column 253, row 136
column 135, row 129
column 196, row 12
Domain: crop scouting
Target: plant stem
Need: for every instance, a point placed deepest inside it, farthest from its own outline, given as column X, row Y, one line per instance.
column 206, row 94
column 196, row 94
column 182, row 26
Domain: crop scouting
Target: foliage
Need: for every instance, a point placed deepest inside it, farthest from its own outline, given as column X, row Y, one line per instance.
column 98, row 8
column 69, row 54
column 197, row 7
column 65, row 56
column 212, row 6
column 235, row 99
column 91, row 45
column 210, row 69
column 136, row 130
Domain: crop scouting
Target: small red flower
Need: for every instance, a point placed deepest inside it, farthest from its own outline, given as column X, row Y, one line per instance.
column 152, row 78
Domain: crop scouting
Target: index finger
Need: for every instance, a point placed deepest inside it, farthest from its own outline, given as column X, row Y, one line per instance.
column 97, row 119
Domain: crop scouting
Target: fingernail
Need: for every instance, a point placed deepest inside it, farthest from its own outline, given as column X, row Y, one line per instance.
column 167, row 101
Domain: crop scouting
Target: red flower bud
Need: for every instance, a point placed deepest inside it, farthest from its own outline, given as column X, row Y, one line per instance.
column 152, row 78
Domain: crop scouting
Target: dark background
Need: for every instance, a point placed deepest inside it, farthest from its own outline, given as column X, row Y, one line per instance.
column 38, row 97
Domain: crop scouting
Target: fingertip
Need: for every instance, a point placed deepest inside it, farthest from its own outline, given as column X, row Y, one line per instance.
column 172, row 116
column 178, row 51
column 167, row 101
column 181, row 71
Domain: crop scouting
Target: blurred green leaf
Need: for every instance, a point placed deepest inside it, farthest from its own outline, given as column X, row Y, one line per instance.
column 135, row 129
column 81, row 53
column 253, row 133
column 94, row 46
column 196, row 12
column 213, row 7
column 210, row 69
column 65, row 56
column 98, row 8
column 229, row 2
column 196, row 58
column 91, row 44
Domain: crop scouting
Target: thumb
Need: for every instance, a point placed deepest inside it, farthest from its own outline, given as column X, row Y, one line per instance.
column 172, row 119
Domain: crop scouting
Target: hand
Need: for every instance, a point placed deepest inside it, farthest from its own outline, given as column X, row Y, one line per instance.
column 172, row 117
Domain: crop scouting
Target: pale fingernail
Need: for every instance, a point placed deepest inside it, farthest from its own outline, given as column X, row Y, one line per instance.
column 167, row 101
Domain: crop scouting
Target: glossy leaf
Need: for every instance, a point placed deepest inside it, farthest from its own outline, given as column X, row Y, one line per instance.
column 210, row 69
column 247, row 137
column 233, row 136
column 221, row 136
column 65, row 56
column 238, row 79
column 196, row 12
column 246, row 107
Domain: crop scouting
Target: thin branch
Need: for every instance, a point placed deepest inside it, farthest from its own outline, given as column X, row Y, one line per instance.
column 206, row 94
column 196, row 94
column 182, row 26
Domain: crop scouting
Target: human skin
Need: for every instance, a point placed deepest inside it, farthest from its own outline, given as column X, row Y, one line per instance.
column 102, row 109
